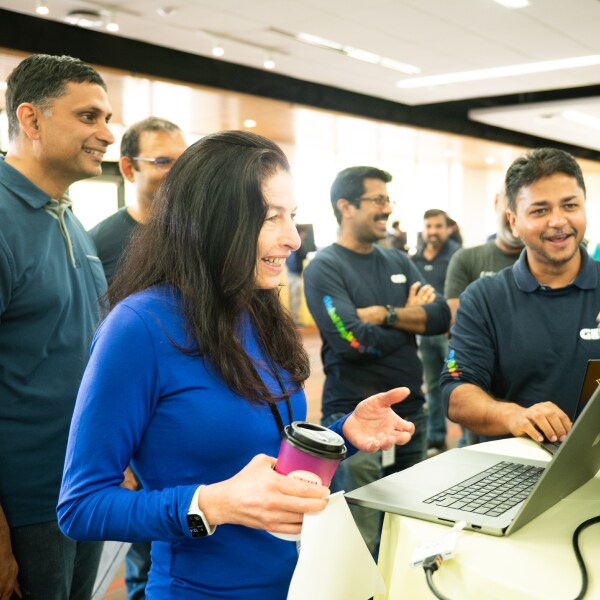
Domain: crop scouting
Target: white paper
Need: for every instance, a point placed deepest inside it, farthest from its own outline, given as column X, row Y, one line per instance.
column 113, row 555
column 334, row 561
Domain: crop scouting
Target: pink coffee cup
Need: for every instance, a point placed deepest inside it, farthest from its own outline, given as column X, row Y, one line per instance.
column 310, row 452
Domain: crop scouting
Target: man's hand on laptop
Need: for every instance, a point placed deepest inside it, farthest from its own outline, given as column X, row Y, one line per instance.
column 541, row 421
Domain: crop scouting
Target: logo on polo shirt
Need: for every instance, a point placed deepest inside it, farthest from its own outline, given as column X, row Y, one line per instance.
column 398, row 278
column 590, row 334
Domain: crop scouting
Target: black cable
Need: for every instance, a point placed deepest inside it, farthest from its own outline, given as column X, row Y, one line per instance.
column 432, row 563
column 579, row 557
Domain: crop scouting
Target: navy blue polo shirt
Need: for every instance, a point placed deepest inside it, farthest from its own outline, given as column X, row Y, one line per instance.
column 523, row 342
column 48, row 313
column 434, row 271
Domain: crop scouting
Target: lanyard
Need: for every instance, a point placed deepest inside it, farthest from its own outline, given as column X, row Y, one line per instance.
column 273, row 406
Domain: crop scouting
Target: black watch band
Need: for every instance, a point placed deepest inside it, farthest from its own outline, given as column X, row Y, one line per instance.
column 391, row 316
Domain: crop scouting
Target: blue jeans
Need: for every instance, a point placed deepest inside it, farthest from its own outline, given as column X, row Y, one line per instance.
column 137, row 565
column 52, row 566
column 433, row 350
column 364, row 467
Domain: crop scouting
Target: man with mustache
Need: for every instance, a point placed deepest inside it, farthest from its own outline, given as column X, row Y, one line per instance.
column 522, row 338
column 50, row 280
column 432, row 261
column 369, row 302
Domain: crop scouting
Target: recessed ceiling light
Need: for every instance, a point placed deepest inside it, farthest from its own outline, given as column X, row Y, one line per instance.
column 111, row 23
column 498, row 72
column 85, row 18
column 41, row 8
column 166, row 11
column 249, row 123
column 490, row 160
column 269, row 63
column 218, row 50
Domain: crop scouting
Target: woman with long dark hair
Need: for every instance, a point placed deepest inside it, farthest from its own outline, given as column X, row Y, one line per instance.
column 192, row 376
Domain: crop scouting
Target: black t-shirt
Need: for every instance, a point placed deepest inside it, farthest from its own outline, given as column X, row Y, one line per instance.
column 111, row 236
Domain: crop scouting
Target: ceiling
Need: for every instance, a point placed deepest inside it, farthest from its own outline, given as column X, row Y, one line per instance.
column 437, row 36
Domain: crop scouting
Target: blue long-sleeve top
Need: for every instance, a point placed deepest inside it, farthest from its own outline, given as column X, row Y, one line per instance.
column 170, row 414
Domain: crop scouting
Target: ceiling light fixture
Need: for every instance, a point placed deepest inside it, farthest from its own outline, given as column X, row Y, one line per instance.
column 351, row 52
column 581, row 118
column 269, row 63
column 513, row 3
column 41, row 8
column 85, row 18
column 498, row 72
column 490, row 160
column 249, row 123
column 112, row 24
column 218, row 50
column 166, row 11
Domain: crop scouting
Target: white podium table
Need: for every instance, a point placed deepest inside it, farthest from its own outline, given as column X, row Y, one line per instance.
column 536, row 562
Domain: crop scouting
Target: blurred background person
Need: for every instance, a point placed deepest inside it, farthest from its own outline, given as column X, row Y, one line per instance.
column 432, row 262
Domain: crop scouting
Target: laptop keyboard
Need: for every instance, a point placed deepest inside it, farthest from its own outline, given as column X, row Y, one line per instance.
column 491, row 492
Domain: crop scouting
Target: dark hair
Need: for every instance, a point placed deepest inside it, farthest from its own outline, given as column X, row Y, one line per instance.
column 202, row 238
column 130, row 142
column 348, row 184
column 40, row 78
column 436, row 212
column 538, row 163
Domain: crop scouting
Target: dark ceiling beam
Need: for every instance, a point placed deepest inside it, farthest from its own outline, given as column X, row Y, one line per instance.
column 32, row 34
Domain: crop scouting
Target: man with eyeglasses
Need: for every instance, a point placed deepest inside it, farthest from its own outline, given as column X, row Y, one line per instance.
column 369, row 302
column 432, row 261
column 148, row 150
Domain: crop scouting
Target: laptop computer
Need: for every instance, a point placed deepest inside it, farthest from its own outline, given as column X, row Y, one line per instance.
column 591, row 380
column 429, row 489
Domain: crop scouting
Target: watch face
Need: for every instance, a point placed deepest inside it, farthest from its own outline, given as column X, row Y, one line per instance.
column 197, row 525
column 391, row 317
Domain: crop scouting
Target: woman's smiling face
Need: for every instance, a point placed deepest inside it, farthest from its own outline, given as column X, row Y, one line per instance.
column 278, row 236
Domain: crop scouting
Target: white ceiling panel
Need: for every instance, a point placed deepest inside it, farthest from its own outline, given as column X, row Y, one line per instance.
column 438, row 36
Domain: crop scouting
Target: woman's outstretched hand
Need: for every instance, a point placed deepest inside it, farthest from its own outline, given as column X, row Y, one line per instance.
column 375, row 426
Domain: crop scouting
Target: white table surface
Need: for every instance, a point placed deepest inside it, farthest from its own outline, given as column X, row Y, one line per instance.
column 535, row 562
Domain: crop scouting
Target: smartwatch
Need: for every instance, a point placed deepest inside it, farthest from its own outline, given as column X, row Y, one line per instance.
column 196, row 520
column 391, row 316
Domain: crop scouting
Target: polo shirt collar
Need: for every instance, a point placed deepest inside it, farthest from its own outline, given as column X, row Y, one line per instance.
column 21, row 186
column 587, row 278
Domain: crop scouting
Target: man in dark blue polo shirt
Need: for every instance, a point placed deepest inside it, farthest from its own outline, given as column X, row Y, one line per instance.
column 432, row 261
column 522, row 338
column 50, row 281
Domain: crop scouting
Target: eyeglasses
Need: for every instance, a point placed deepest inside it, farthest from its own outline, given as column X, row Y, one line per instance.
column 379, row 201
column 161, row 162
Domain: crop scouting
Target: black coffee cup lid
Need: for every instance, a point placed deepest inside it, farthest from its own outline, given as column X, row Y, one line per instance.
column 315, row 439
